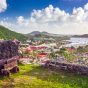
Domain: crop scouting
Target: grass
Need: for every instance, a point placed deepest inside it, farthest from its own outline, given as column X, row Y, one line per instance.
column 31, row 76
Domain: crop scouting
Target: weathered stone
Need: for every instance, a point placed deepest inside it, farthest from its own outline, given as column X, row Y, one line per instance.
column 74, row 68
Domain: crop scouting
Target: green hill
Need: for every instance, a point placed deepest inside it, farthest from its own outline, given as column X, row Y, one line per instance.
column 7, row 34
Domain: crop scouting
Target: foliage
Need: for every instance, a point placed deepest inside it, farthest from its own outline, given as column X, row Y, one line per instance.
column 8, row 34
column 62, row 50
column 80, row 49
column 52, row 55
column 86, row 48
column 69, row 56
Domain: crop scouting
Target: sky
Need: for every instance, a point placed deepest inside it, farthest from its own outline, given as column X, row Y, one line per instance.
column 53, row 16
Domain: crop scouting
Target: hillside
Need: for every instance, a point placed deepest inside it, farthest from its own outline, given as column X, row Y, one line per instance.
column 5, row 33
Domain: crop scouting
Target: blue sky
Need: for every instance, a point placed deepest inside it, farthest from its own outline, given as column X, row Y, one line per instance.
column 25, row 7
column 62, row 15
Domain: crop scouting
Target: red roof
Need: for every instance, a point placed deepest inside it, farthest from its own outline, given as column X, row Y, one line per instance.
column 70, row 49
column 31, row 48
column 36, row 47
column 42, row 55
column 41, row 47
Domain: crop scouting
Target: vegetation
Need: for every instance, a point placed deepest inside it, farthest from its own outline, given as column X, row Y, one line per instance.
column 31, row 76
column 61, row 38
column 69, row 56
column 8, row 34
column 81, row 49
column 52, row 55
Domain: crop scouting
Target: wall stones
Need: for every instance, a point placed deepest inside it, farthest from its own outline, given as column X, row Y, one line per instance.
column 8, row 49
column 73, row 68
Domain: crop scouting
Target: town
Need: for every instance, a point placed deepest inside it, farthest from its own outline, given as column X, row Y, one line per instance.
column 43, row 43
column 46, row 54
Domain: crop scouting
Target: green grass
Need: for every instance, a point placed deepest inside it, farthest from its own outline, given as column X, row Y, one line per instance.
column 31, row 76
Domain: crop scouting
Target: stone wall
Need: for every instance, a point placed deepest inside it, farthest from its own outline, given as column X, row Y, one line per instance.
column 8, row 49
column 73, row 68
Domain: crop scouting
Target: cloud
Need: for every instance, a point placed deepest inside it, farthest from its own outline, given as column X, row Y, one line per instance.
column 20, row 20
column 55, row 20
column 3, row 5
column 86, row 7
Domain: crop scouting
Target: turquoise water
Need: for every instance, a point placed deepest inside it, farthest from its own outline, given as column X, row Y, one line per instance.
column 77, row 41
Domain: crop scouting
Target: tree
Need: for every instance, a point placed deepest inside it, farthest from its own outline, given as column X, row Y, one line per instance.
column 52, row 55
column 62, row 50
column 80, row 49
column 86, row 48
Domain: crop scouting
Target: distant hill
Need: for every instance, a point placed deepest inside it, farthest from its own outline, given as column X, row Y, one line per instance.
column 38, row 34
column 5, row 33
column 43, row 33
column 35, row 33
column 84, row 36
